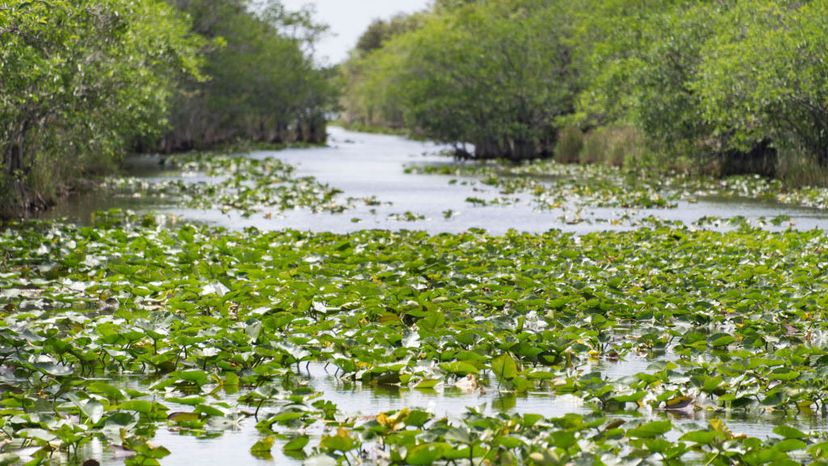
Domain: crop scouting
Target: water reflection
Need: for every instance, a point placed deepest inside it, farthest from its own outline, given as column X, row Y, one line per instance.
column 232, row 441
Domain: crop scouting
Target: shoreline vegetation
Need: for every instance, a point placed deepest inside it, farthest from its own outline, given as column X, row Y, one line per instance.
column 665, row 86
column 717, row 88
column 86, row 82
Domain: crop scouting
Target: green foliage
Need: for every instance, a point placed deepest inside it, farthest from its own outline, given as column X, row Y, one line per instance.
column 638, row 63
column 609, row 37
column 371, row 98
column 733, row 86
column 494, row 74
column 264, row 84
column 380, row 31
column 79, row 81
column 765, row 76
column 372, row 94
column 82, row 82
column 212, row 326
column 734, row 79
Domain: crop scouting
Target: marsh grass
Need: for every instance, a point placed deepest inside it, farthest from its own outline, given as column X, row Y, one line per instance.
column 628, row 148
column 798, row 169
column 617, row 146
column 569, row 146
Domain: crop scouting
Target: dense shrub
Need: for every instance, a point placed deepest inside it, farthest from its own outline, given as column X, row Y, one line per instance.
column 79, row 81
column 493, row 74
column 733, row 84
column 263, row 82
column 570, row 144
column 82, row 82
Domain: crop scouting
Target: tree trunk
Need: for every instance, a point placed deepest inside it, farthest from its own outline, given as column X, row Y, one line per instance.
column 317, row 131
column 300, row 131
column 16, row 151
column 522, row 150
column 17, row 192
column 486, row 150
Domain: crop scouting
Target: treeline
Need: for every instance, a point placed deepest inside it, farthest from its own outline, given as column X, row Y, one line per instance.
column 262, row 85
column 83, row 82
column 730, row 86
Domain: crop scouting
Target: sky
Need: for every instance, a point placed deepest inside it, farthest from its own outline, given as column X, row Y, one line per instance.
column 349, row 18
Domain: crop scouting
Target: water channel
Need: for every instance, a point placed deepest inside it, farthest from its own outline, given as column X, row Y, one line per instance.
column 365, row 165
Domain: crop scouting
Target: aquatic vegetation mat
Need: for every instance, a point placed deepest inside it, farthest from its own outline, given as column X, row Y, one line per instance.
column 555, row 185
column 236, row 183
column 112, row 332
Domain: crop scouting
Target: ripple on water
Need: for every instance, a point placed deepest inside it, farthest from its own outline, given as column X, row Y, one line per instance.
column 355, row 400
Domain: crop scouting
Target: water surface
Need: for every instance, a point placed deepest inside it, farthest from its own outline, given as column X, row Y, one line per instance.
column 368, row 165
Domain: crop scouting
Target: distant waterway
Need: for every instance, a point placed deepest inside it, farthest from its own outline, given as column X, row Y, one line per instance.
column 369, row 165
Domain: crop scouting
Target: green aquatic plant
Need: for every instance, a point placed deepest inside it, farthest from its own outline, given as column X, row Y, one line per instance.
column 221, row 327
column 554, row 185
column 236, row 183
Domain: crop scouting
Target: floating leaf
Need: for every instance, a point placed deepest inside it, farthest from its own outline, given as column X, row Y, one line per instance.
column 650, row 429
column 261, row 449
column 297, row 443
column 504, row 367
